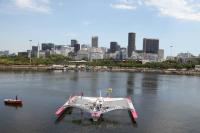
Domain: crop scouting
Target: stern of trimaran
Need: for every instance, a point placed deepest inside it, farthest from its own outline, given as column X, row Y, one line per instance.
column 132, row 110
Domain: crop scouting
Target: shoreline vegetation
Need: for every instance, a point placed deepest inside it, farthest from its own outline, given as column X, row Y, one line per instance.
column 58, row 62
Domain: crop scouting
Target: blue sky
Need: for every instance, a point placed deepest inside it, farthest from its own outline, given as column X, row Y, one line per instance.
column 174, row 22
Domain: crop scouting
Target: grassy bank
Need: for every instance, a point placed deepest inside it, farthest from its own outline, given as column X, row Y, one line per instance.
column 62, row 60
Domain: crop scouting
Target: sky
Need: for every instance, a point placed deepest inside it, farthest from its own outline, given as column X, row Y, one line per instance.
column 174, row 22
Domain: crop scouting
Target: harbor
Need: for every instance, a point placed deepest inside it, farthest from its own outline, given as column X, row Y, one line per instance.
column 167, row 102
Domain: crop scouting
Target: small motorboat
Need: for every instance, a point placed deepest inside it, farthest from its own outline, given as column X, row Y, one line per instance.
column 13, row 102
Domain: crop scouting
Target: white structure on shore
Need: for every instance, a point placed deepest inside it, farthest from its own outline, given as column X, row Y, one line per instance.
column 63, row 50
column 82, row 54
column 96, row 53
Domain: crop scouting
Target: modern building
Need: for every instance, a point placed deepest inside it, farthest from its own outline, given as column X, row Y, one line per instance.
column 42, row 54
column 73, row 42
column 131, row 43
column 47, row 46
column 4, row 53
column 114, row 47
column 63, row 50
column 95, row 53
column 34, row 51
column 150, row 45
column 82, row 55
column 23, row 54
column 85, row 46
column 161, row 54
column 185, row 55
column 77, row 47
column 95, row 41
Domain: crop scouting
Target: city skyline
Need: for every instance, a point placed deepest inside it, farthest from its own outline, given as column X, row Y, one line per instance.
column 59, row 22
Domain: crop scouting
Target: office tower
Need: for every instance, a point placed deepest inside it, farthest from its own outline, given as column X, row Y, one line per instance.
column 114, row 47
column 76, row 47
column 34, row 51
column 95, row 41
column 35, row 48
column 73, row 42
column 47, row 46
column 131, row 43
column 150, row 45
column 161, row 54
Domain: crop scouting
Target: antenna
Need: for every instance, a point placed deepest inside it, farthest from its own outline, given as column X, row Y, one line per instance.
column 81, row 93
column 100, row 93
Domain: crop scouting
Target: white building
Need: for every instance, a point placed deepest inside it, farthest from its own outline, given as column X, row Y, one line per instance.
column 82, row 54
column 160, row 54
column 149, row 57
column 64, row 50
column 184, row 55
column 6, row 52
column 96, row 53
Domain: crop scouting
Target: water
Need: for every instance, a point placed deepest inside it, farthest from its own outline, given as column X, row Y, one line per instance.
column 165, row 103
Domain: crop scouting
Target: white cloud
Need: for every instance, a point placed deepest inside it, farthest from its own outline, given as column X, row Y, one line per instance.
column 34, row 5
column 41, row 6
column 124, row 4
column 179, row 9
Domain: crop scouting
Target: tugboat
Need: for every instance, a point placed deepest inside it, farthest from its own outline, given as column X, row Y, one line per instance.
column 14, row 102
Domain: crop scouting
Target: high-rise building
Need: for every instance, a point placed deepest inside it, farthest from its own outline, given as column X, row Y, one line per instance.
column 161, row 54
column 131, row 43
column 95, row 41
column 114, row 47
column 73, row 42
column 76, row 47
column 34, row 51
column 150, row 45
column 47, row 46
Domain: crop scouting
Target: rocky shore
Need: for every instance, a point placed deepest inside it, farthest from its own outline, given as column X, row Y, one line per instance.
column 24, row 68
column 96, row 68
column 160, row 71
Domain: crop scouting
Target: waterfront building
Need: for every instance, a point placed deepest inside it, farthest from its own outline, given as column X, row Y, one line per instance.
column 63, row 50
column 170, row 58
column 114, row 47
column 76, row 47
column 151, row 57
column 95, row 53
column 185, row 55
column 136, row 56
column 112, row 55
column 150, row 45
column 95, row 41
column 121, row 55
column 82, row 55
column 73, row 42
column 84, row 47
column 23, row 54
column 161, row 54
column 131, row 43
column 47, row 46
column 4, row 53
column 42, row 54
column 34, row 51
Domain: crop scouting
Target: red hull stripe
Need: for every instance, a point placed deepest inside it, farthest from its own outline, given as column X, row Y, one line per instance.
column 60, row 111
column 134, row 114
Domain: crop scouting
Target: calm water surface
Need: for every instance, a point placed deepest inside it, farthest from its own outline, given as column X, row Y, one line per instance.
column 165, row 103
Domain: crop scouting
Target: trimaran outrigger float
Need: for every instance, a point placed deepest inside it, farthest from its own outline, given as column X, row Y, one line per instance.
column 97, row 106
